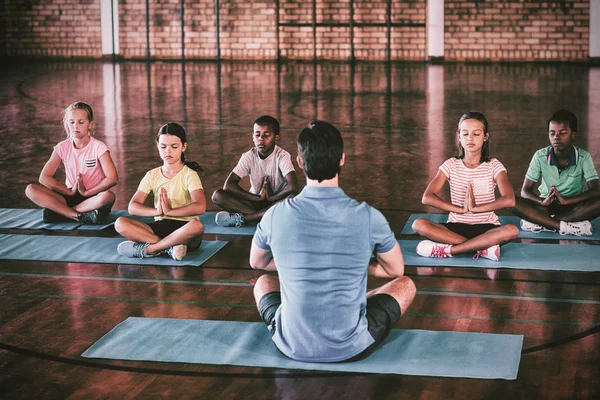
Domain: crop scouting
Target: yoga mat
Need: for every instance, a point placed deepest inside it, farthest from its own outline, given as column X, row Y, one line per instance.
column 16, row 218
column 540, row 256
column 407, row 352
column 407, row 230
column 90, row 250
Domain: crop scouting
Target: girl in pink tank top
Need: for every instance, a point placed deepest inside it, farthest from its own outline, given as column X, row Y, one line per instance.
column 90, row 173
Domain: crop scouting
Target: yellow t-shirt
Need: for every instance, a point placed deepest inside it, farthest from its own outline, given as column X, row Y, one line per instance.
column 178, row 188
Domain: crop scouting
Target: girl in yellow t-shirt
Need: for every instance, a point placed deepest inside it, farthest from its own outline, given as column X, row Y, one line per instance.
column 178, row 199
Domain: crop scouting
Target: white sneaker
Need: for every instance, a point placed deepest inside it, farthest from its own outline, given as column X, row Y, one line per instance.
column 224, row 218
column 491, row 253
column 581, row 228
column 427, row 248
column 535, row 228
column 177, row 252
column 133, row 249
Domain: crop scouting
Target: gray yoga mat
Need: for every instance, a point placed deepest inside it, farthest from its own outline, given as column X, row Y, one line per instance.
column 407, row 352
column 439, row 218
column 540, row 256
column 91, row 250
column 17, row 218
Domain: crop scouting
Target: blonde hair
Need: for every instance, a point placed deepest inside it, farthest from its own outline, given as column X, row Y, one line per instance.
column 78, row 105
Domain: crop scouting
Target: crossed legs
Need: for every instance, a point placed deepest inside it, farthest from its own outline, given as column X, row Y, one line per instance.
column 46, row 198
column 251, row 210
column 539, row 215
column 189, row 234
column 402, row 289
column 460, row 244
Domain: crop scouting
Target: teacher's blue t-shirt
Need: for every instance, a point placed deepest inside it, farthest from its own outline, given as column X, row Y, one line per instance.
column 322, row 241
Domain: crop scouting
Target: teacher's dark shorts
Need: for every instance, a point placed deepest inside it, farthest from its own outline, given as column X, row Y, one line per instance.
column 382, row 313
column 469, row 231
column 165, row 227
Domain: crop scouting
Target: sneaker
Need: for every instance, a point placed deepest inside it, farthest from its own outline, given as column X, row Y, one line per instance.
column 89, row 217
column 49, row 217
column 581, row 228
column 224, row 218
column 103, row 213
column 132, row 249
column 177, row 252
column 535, row 228
column 427, row 248
column 491, row 253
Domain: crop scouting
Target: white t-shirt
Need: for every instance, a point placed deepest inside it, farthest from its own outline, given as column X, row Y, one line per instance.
column 276, row 166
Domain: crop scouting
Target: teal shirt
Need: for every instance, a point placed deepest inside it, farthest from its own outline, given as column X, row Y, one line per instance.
column 570, row 182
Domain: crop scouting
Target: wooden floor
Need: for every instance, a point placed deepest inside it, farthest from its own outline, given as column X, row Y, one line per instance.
column 398, row 124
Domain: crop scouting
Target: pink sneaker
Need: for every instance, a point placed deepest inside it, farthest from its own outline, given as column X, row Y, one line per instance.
column 427, row 248
column 491, row 253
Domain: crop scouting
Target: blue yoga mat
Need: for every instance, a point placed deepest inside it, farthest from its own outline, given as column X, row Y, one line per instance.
column 16, row 218
column 90, row 250
column 439, row 218
column 540, row 256
column 407, row 352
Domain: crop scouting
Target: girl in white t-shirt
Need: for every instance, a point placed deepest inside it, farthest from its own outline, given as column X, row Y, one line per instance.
column 178, row 200
column 89, row 169
column 473, row 178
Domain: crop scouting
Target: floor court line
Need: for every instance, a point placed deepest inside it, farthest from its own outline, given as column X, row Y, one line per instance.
column 253, row 306
column 305, row 374
column 481, row 278
column 125, row 279
column 294, row 375
column 158, row 371
column 507, row 297
column 424, row 291
column 413, row 276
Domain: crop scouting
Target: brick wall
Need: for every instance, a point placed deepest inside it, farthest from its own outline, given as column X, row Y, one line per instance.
column 512, row 30
column 506, row 30
column 52, row 28
column 408, row 42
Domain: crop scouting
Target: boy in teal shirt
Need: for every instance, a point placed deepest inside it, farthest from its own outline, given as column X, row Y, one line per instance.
column 569, row 195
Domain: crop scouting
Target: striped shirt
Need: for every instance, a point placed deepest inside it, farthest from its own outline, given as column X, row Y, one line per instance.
column 484, row 186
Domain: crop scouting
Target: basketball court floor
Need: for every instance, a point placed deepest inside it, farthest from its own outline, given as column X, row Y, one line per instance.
column 398, row 122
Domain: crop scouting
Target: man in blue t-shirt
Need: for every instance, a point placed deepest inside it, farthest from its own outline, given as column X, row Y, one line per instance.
column 321, row 243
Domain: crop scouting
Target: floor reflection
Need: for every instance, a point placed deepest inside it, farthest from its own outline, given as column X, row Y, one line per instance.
column 398, row 120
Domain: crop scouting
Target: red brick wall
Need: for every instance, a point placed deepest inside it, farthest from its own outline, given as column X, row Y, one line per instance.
column 513, row 30
column 370, row 43
column 132, row 29
column 507, row 30
column 52, row 28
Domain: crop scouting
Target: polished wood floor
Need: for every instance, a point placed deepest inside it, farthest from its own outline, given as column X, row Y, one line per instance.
column 398, row 123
